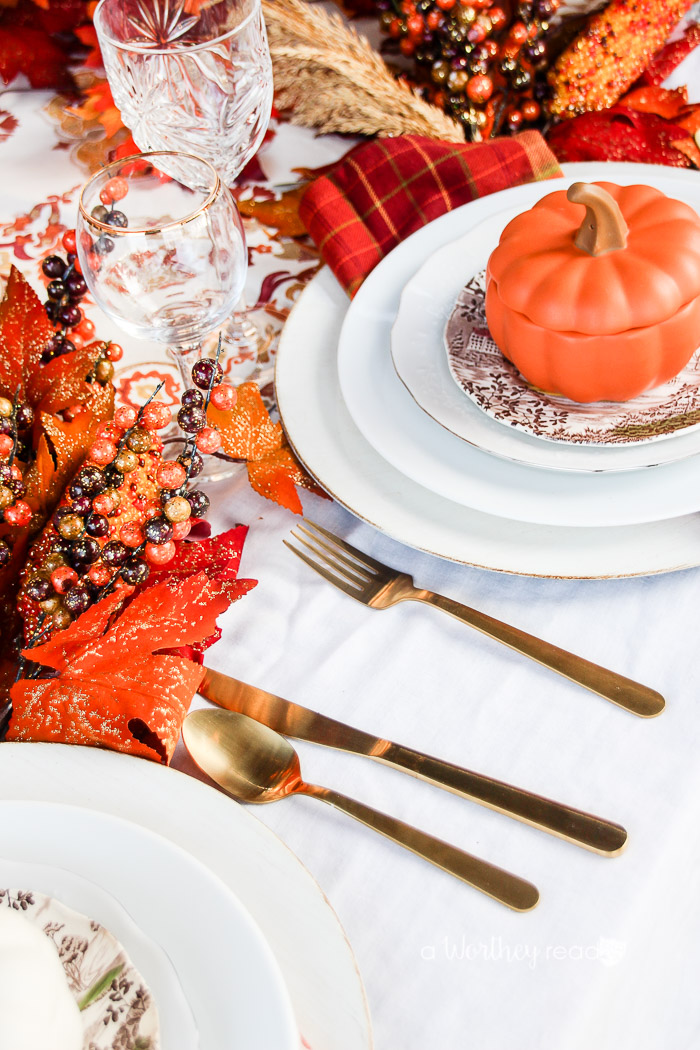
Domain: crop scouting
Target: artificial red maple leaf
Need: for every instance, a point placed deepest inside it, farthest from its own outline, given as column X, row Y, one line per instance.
column 24, row 331
column 248, row 433
column 114, row 689
column 662, row 101
column 665, row 61
column 620, row 134
column 24, row 49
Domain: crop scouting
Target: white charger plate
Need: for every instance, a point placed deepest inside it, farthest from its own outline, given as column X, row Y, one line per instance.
column 406, row 437
column 296, row 921
column 333, row 450
column 422, row 363
column 227, row 971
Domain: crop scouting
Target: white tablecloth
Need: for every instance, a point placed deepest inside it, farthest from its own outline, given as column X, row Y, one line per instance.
column 611, row 955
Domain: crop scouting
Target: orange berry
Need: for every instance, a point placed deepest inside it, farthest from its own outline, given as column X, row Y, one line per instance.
column 160, row 553
column 125, row 417
column 114, row 352
column 63, row 578
column 131, row 534
column 99, row 574
column 102, row 452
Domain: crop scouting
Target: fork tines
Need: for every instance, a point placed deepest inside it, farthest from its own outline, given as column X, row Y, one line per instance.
column 347, row 573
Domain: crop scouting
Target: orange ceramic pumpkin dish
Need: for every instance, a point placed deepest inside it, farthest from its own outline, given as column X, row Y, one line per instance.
column 594, row 293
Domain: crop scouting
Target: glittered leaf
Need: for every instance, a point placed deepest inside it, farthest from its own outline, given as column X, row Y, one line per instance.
column 282, row 214
column 62, row 381
column 690, row 120
column 44, row 483
column 276, row 476
column 65, row 645
column 247, row 432
column 136, row 707
column 665, row 61
column 620, row 134
column 690, row 148
column 70, row 439
column 662, row 101
column 24, row 332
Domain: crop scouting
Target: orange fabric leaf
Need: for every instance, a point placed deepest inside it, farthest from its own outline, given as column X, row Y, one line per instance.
column 282, row 214
column 24, row 332
column 690, row 120
column 113, row 688
column 247, row 432
column 44, row 483
column 62, row 382
column 662, row 101
column 690, row 148
column 70, row 440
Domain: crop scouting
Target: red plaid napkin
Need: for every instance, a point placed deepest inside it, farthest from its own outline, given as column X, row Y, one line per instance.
column 386, row 189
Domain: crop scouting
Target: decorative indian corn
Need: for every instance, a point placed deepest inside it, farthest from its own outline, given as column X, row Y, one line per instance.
column 610, row 53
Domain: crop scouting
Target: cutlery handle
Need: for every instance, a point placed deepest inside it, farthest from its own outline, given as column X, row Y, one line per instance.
column 639, row 699
column 495, row 882
column 584, row 829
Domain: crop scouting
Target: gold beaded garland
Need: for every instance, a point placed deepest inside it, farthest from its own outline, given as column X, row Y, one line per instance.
column 5, row 407
column 53, row 561
column 61, row 618
column 50, row 605
column 104, row 370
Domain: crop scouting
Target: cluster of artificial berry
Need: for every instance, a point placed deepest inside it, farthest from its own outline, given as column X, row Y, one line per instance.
column 114, row 190
column 96, row 546
column 476, row 59
column 15, row 421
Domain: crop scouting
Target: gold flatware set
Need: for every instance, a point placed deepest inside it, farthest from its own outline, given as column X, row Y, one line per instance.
column 243, row 748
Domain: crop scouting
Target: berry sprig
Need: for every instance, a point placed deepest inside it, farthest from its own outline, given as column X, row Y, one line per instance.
column 479, row 60
column 66, row 289
column 16, row 419
column 114, row 190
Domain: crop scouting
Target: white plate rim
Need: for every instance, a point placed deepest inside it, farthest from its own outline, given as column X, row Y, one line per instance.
column 36, row 821
column 326, row 440
column 310, row 946
column 426, row 305
column 389, row 419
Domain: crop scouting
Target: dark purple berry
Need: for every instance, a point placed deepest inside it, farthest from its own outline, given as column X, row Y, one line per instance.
column 53, row 266
column 199, row 502
column 192, row 462
column 165, row 495
column 115, row 479
column 99, row 212
column 60, row 514
column 39, row 590
column 192, row 398
column 117, row 218
column 85, row 551
column 82, row 506
column 5, row 553
column 55, row 289
column 24, row 416
column 77, row 600
column 68, row 347
column 205, row 372
column 104, row 245
column 17, row 487
column 135, row 572
column 158, row 530
column 114, row 554
column 92, row 480
column 70, row 315
column 62, row 547
column 5, row 473
column 75, row 285
column 6, row 425
column 50, row 308
column 191, row 420
column 97, row 525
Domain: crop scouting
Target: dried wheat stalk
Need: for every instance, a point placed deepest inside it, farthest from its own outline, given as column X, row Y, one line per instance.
column 333, row 79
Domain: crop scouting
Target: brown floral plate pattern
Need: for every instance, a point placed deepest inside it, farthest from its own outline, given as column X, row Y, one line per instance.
column 118, row 1010
column 495, row 385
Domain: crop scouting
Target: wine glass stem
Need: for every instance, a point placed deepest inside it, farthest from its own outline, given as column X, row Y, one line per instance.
column 185, row 356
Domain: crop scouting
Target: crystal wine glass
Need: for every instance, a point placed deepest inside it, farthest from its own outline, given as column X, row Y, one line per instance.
column 163, row 254
column 197, row 82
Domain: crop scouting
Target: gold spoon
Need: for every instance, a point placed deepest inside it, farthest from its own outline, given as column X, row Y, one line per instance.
column 255, row 764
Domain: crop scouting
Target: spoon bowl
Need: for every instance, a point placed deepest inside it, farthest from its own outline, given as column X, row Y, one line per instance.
column 255, row 764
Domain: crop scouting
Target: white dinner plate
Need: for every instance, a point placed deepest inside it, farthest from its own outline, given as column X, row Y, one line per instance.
column 422, row 362
column 227, row 971
column 406, row 437
column 176, row 1021
column 230, row 847
column 333, row 450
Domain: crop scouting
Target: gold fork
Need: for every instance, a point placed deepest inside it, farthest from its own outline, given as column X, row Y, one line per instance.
column 380, row 587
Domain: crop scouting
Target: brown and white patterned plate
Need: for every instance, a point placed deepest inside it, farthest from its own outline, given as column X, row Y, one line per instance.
column 116, row 1005
column 495, row 385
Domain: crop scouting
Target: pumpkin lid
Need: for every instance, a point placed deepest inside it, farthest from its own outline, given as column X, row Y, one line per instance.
column 541, row 272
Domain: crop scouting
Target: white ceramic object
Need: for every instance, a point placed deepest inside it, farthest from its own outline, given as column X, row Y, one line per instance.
column 73, row 891
column 296, row 921
column 227, row 971
column 327, row 441
column 512, row 420
column 406, row 437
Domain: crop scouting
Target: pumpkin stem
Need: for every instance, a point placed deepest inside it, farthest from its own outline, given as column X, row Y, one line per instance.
column 603, row 228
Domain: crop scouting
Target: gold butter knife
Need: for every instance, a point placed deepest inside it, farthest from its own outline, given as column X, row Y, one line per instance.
column 583, row 829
